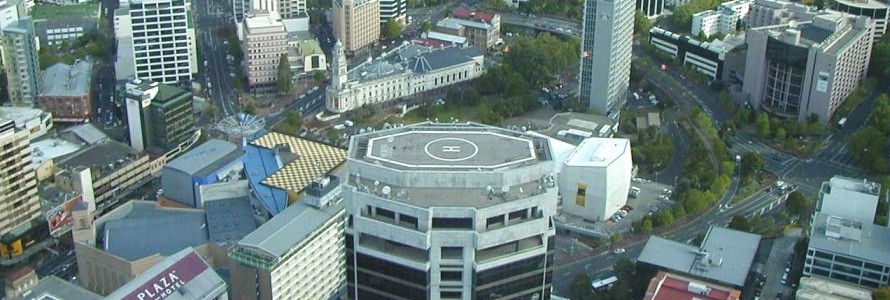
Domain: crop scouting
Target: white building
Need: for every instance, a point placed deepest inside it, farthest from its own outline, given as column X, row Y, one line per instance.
column 404, row 71
column 19, row 48
column 595, row 180
column 35, row 121
column 394, row 9
column 848, row 250
column 449, row 211
column 156, row 44
column 605, row 55
column 724, row 19
column 849, row 198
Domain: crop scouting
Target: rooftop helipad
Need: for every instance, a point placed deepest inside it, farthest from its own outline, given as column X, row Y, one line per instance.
column 446, row 149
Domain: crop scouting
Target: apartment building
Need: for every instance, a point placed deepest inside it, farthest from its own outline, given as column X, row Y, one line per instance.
column 605, row 55
column 19, row 203
column 156, row 41
column 723, row 20
column 876, row 10
column 19, row 53
column 265, row 41
column 102, row 173
column 395, row 10
column 806, row 69
column 356, row 23
column 449, row 211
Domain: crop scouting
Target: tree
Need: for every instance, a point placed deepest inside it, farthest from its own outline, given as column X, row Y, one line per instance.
column 664, row 218
column 426, row 26
column 646, row 226
column 751, row 163
column 780, row 133
column 285, row 77
column 391, row 30
column 881, row 294
column 797, row 203
column 615, row 238
column 879, row 66
column 762, row 124
column 318, row 75
column 740, row 223
column 580, row 288
column 642, row 25
column 249, row 108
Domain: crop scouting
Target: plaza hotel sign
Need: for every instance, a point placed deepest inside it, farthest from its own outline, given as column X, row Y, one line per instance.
column 170, row 280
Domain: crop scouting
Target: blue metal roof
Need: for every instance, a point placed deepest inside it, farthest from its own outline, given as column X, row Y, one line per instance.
column 260, row 163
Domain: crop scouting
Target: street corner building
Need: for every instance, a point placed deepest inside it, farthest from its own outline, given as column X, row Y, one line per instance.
column 449, row 211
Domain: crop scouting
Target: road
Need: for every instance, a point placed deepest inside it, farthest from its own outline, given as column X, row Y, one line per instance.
column 105, row 110
column 213, row 64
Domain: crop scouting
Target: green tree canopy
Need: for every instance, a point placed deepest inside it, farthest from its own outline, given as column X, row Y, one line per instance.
column 391, row 30
column 580, row 288
column 285, row 77
column 797, row 203
column 740, row 223
column 881, row 294
column 751, row 163
column 642, row 25
column 762, row 124
column 426, row 26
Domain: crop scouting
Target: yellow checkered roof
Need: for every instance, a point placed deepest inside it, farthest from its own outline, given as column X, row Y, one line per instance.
column 314, row 159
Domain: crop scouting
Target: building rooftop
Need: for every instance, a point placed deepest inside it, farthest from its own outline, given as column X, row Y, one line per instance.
column 867, row 241
column 667, row 286
column 167, row 93
column 411, row 58
column 454, row 39
column 138, row 229
column 828, row 31
column 84, row 133
column 21, row 115
column 260, row 163
column 229, row 220
column 868, row 4
column 206, row 158
column 55, row 288
column 466, row 13
column 725, row 255
column 63, row 80
column 288, row 229
column 598, row 152
column 47, row 149
column 196, row 279
column 104, row 157
column 817, row 288
column 457, row 23
column 308, row 160
column 849, row 198
column 50, row 11
column 263, row 20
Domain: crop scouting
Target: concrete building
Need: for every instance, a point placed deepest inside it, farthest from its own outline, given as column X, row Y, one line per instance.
column 286, row 9
column 308, row 56
column 65, row 91
column 849, row 251
column 23, row 284
column 116, row 248
column 394, row 9
column 103, row 173
column 160, row 117
column 776, row 12
column 19, row 204
column 356, row 23
column 20, row 59
column 724, row 257
column 815, row 288
column 707, row 58
column 874, row 9
column 402, row 72
column 265, row 41
column 211, row 162
column 481, row 29
column 156, row 44
column 32, row 120
column 849, row 198
column 724, row 19
column 449, row 211
column 651, row 8
column 606, row 41
column 77, row 21
column 181, row 276
column 595, row 180
column 806, row 69
column 298, row 254
column 668, row 286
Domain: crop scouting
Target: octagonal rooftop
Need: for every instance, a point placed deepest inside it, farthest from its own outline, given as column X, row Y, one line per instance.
column 436, row 146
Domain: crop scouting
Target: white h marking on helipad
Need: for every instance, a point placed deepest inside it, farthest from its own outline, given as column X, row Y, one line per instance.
column 450, row 148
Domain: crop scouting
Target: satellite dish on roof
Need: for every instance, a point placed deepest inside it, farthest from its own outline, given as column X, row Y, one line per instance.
column 386, row 190
column 505, row 188
column 376, row 182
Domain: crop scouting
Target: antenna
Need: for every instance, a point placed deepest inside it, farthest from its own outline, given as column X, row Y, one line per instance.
column 505, row 188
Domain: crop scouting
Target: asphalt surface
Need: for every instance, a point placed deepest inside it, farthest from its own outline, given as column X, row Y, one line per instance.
column 213, row 64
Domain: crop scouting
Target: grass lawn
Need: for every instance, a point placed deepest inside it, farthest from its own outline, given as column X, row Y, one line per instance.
column 47, row 11
column 443, row 114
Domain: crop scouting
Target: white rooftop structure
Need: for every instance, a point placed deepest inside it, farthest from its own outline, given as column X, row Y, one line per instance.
column 598, row 152
column 454, row 39
column 850, row 198
column 595, row 178
column 47, row 149
column 35, row 120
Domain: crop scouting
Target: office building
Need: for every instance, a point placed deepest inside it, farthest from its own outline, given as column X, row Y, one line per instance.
column 595, row 180
column 849, row 198
column 156, row 41
column 806, row 69
column 669, row 286
column 103, row 173
column 724, row 257
column 404, row 71
column 23, row 284
column 35, row 121
column 394, row 9
column 65, row 91
column 606, row 42
column 20, row 59
column 777, row 12
column 265, row 41
column 286, row 9
column 651, row 8
column 77, row 21
column 211, row 162
column 449, row 211
column 707, row 58
column 19, row 204
column 874, row 9
column 184, row 275
column 160, row 117
column 480, row 29
column 849, row 251
column 816, row 288
column 298, row 254
column 356, row 23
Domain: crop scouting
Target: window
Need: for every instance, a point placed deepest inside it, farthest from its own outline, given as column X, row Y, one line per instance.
column 519, row 214
column 450, row 295
column 580, row 198
column 451, row 275
column 385, row 213
column 452, row 252
column 452, row 223
column 408, row 220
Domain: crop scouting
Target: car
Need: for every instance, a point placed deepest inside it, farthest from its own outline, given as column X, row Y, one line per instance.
column 618, row 250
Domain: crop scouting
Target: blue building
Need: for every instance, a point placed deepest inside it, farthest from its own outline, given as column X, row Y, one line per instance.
column 209, row 163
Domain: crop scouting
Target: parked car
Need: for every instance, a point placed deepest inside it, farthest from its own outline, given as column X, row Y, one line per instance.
column 618, row 250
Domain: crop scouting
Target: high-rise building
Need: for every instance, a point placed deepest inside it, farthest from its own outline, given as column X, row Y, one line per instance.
column 265, row 41
column 651, row 8
column 449, row 211
column 160, row 117
column 605, row 55
column 356, row 23
column 286, row 9
column 19, row 203
column 19, row 54
column 879, row 11
column 806, row 69
column 156, row 40
column 394, row 9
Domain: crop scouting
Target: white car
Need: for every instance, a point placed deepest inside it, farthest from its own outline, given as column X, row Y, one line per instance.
column 618, row 250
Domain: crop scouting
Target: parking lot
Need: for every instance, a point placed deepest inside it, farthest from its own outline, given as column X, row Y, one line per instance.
column 652, row 198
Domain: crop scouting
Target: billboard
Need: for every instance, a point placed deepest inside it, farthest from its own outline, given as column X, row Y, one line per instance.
column 170, row 280
column 59, row 218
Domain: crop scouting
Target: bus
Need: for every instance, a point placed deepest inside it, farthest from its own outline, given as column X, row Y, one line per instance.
column 603, row 284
